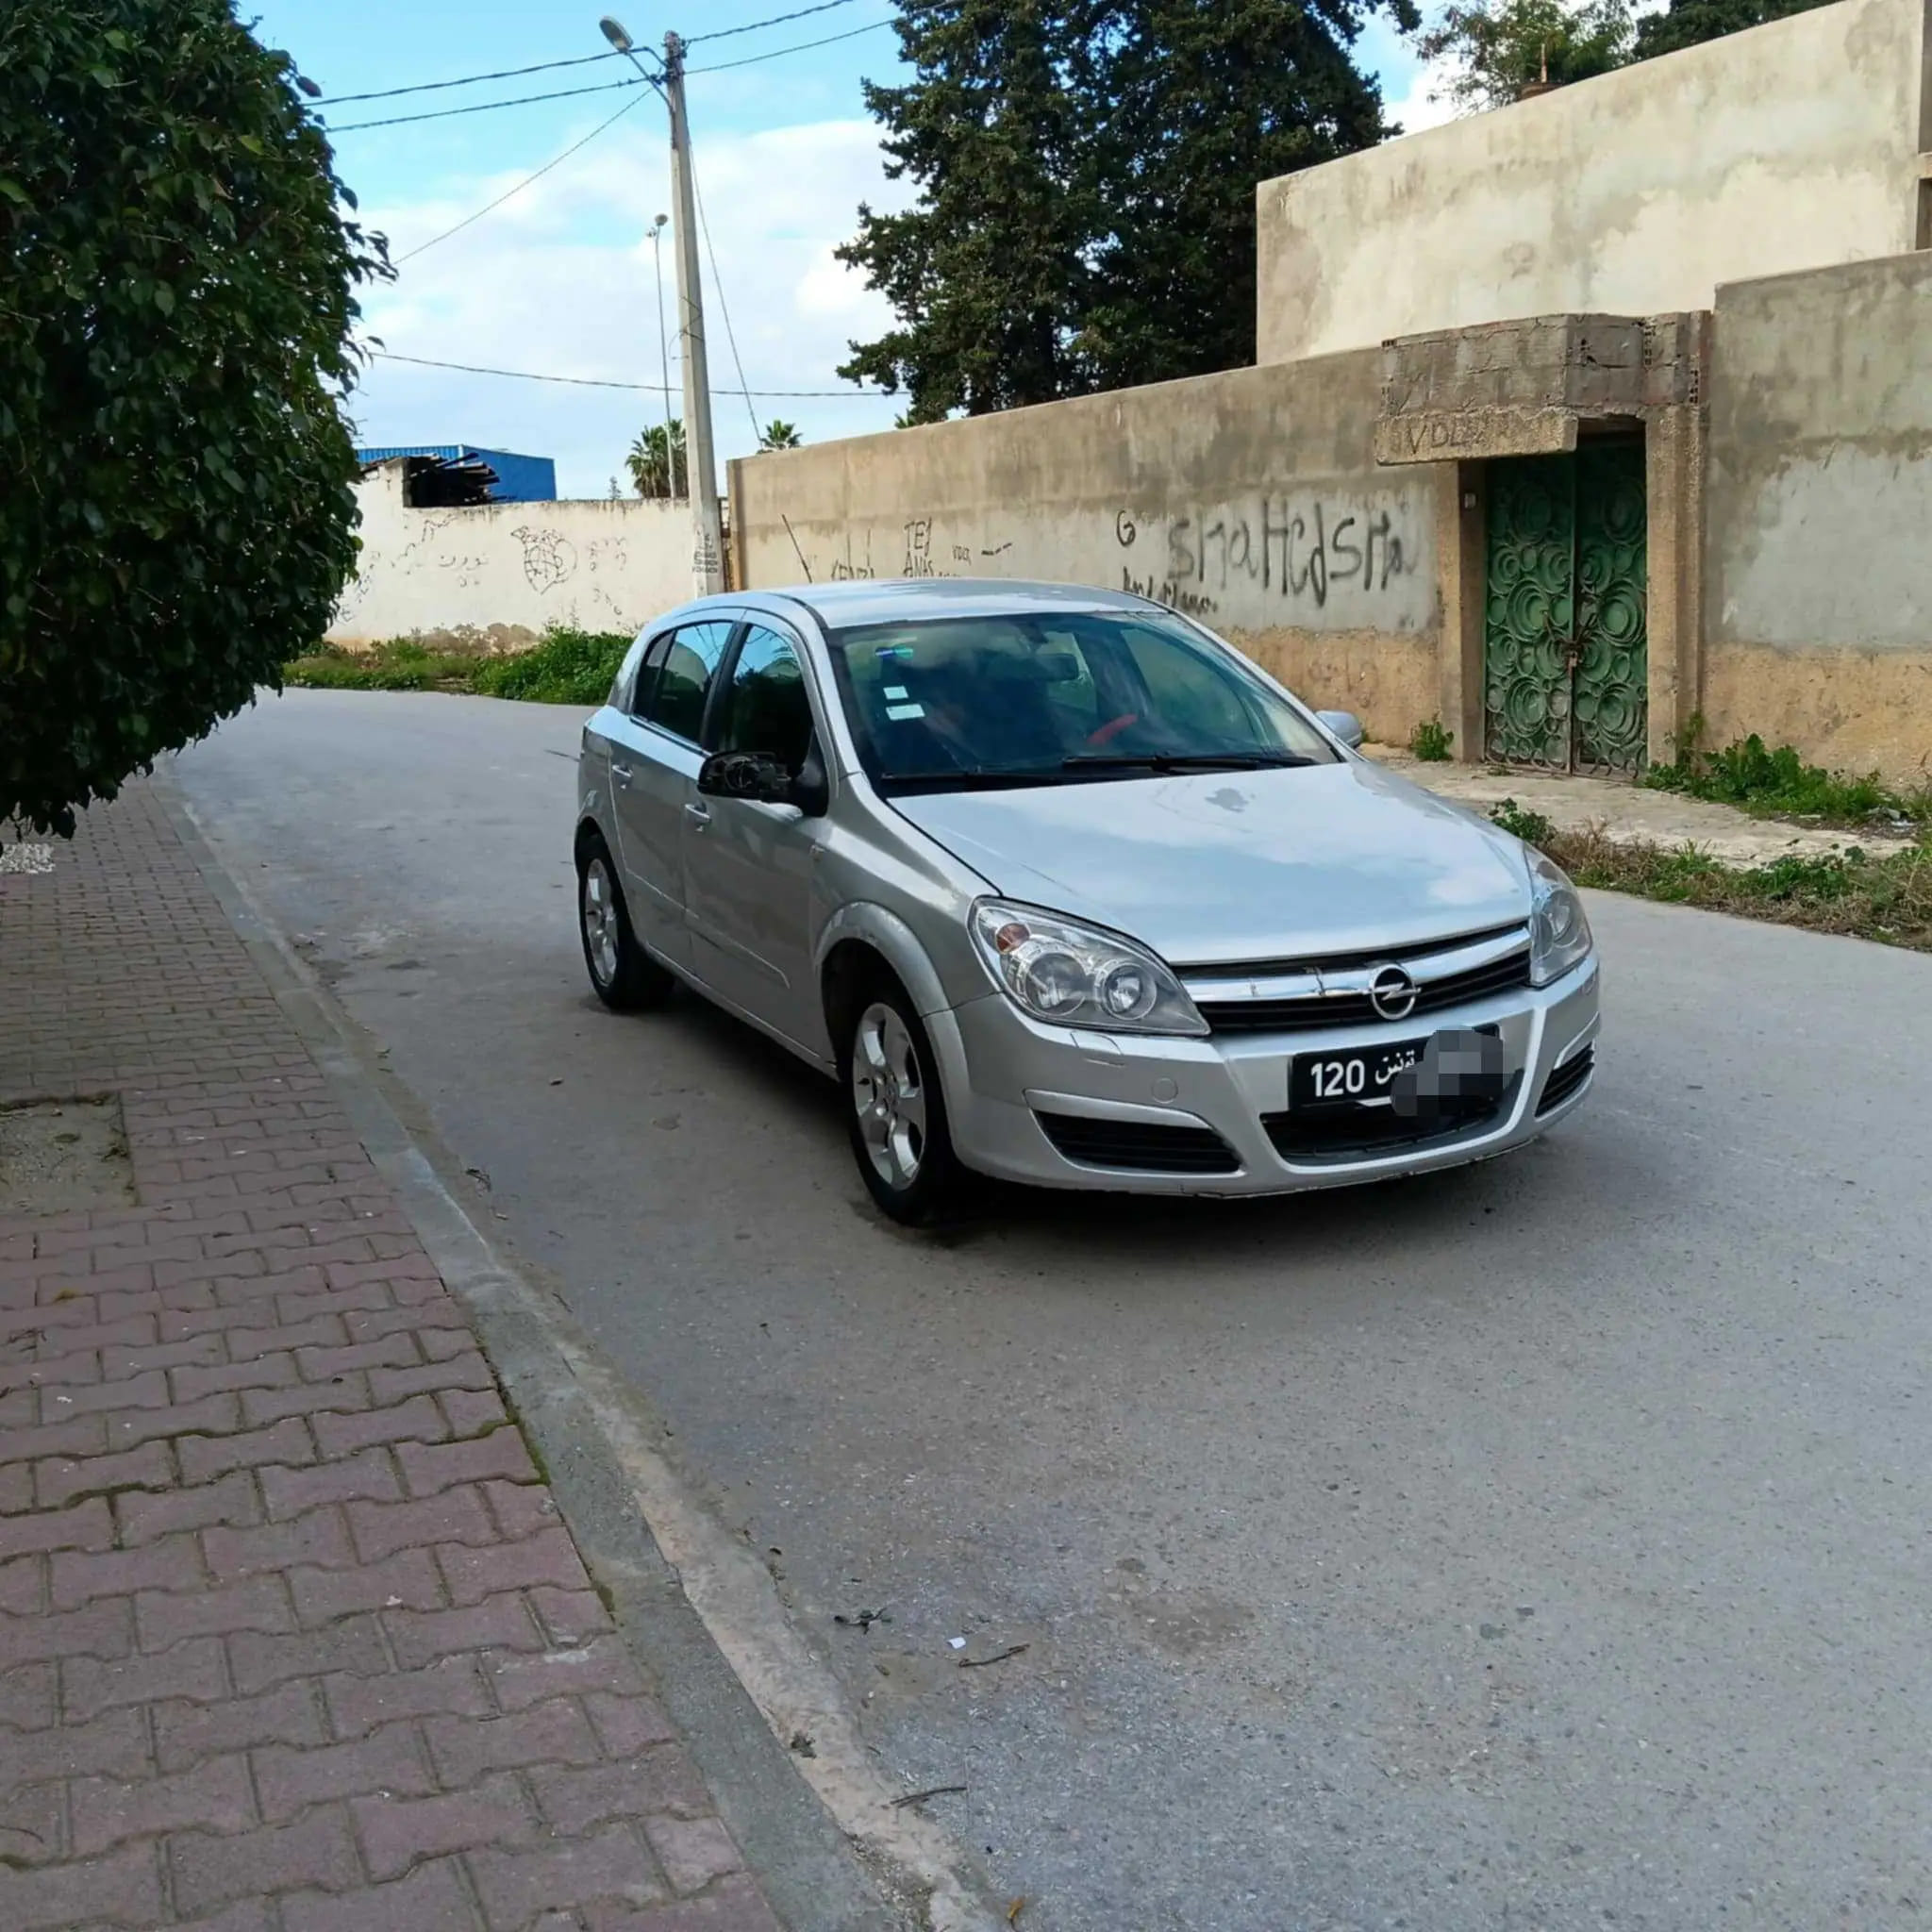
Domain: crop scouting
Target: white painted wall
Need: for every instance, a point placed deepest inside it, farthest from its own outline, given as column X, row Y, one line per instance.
column 1790, row 146
column 505, row 571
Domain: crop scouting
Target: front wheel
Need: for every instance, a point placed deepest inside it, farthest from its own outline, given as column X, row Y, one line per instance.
column 623, row 974
column 897, row 1113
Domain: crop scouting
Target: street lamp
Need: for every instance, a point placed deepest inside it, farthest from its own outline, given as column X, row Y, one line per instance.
column 700, row 463
column 663, row 354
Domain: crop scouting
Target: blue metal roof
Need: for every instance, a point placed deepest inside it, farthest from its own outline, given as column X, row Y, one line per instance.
column 519, row 479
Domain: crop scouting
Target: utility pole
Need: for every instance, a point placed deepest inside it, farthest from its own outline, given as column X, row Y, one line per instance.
column 701, row 464
column 663, row 355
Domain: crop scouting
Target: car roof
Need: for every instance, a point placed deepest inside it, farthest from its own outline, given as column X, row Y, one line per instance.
column 905, row 600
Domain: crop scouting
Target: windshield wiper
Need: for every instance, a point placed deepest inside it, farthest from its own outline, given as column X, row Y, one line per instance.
column 1182, row 761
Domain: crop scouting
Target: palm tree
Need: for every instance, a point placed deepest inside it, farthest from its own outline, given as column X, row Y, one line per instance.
column 780, row 434
column 651, row 473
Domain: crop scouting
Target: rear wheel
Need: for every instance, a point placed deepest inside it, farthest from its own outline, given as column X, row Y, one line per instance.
column 897, row 1111
column 623, row 974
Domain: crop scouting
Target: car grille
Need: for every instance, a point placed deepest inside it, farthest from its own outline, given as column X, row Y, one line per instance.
column 1306, row 995
column 1566, row 1080
column 1138, row 1146
column 1364, row 1133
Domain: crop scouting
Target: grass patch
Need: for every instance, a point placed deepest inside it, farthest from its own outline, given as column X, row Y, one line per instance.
column 1429, row 742
column 1777, row 783
column 1885, row 896
column 567, row 667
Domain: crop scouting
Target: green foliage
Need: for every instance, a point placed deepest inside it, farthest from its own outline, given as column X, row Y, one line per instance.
column 1687, row 23
column 1885, row 896
column 400, row 664
column 780, row 434
column 1086, row 172
column 652, row 472
column 1779, row 784
column 1430, row 742
column 179, row 291
column 1532, row 827
column 1502, row 46
column 569, row 667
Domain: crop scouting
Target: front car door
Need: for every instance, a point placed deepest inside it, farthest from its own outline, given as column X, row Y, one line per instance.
column 655, row 757
column 749, row 866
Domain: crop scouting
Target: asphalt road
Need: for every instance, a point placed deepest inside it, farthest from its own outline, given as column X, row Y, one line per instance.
column 1540, row 1545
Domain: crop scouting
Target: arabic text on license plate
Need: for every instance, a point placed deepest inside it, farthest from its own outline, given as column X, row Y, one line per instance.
column 1355, row 1076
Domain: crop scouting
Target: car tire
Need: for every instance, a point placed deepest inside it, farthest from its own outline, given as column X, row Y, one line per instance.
column 623, row 974
column 895, row 1111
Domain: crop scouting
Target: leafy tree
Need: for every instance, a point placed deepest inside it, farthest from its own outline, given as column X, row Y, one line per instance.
column 652, row 473
column 780, row 434
column 1686, row 23
column 986, row 271
column 1193, row 103
column 1501, row 47
column 178, row 517
column 1086, row 172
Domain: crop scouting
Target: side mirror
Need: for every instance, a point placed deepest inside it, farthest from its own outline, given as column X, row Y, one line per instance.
column 744, row 774
column 756, row 775
column 1345, row 726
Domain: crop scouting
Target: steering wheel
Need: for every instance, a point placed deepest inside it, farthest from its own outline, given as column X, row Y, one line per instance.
column 1105, row 733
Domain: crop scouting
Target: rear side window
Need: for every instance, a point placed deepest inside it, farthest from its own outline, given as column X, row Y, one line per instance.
column 625, row 684
column 691, row 654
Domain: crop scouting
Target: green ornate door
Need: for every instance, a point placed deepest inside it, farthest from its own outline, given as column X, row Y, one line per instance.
column 1565, row 653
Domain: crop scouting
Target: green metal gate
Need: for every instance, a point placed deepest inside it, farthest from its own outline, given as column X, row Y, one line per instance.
column 1565, row 647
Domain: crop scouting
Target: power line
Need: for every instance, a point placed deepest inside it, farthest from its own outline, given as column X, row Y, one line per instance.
column 801, row 47
column 718, row 283
column 427, row 87
column 555, row 161
column 725, row 33
column 599, row 382
column 485, row 107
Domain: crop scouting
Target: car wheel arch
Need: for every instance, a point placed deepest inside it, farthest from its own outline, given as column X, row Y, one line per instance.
column 861, row 939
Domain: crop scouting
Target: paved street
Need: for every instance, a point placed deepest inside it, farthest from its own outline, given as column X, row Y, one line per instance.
column 1539, row 1545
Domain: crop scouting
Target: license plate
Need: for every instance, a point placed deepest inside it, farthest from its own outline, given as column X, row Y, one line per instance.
column 1353, row 1077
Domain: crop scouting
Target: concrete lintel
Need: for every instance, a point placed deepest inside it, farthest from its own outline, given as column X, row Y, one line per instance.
column 1437, row 436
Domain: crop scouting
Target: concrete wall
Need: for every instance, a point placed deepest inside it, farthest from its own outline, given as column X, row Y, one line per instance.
column 1250, row 498
column 1793, row 146
column 1817, row 598
column 503, row 571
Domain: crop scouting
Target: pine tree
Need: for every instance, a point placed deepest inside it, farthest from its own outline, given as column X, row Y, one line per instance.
column 1086, row 173
column 986, row 272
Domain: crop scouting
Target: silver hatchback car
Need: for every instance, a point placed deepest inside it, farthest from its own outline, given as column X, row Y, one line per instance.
column 1062, row 887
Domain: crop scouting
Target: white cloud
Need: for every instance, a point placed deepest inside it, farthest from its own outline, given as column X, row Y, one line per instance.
column 1423, row 103
column 561, row 281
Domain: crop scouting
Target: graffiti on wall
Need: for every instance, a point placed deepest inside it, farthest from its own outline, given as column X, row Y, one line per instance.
column 1308, row 557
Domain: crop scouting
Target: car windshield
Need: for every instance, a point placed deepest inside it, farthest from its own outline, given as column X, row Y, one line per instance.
column 959, row 703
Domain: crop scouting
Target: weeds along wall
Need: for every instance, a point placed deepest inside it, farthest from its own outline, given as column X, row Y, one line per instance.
column 1250, row 498
column 501, row 573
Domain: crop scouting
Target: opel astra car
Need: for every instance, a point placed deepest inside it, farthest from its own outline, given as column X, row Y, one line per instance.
column 1062, row 888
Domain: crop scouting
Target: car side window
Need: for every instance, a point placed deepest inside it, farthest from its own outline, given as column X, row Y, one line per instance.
column 626, row 682
column 692, row 655
column 765, row 707
column 639, row 707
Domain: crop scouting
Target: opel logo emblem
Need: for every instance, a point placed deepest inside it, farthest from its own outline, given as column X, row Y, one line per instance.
column 1392, row 993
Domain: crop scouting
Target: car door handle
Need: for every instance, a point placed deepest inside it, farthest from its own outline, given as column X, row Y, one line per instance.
column 621, row 774
column 699, row 815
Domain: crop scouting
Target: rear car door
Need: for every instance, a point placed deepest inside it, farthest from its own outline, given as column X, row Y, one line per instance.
column 749, row 865
column 655, row 757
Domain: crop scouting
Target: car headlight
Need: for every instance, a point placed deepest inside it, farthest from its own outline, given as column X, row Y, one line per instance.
column 1559, row 929
column 1078, row 975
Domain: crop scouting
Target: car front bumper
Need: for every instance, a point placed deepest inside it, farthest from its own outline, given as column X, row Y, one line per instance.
column 1003, row 1071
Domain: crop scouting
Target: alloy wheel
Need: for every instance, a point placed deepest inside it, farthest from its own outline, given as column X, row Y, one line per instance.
column 600, row 921
column 889, row 1094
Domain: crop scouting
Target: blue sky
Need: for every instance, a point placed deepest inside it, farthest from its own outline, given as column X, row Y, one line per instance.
column 560, row 279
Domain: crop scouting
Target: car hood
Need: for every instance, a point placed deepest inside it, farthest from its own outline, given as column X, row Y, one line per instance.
column 1211, row 867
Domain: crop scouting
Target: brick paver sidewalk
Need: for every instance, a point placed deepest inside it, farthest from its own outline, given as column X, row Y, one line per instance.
column 291, row 1638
